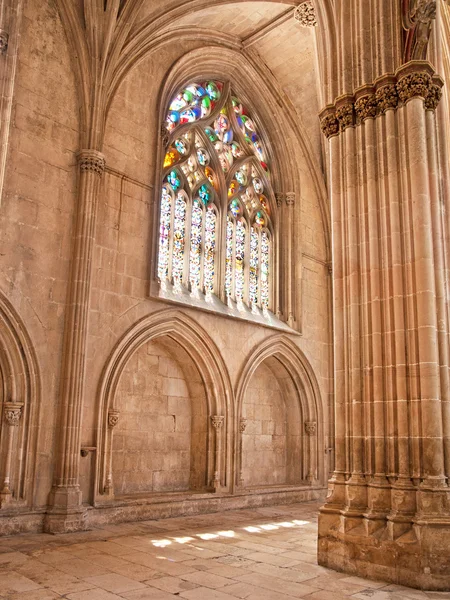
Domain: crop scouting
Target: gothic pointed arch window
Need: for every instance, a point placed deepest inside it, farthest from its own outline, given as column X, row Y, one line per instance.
column 217, row 207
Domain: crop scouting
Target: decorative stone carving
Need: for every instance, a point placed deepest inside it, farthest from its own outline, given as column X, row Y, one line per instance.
column 305, row 14
column 310, row 427
column 416, row 79
column 433, row 97
column 329, row 125
column 279, row 198
column 412, row 85
column 91, row 160
column 113, row 418
column 13, row 413
column 387, row 97
column 242, row 425
column 164, row 135
column 345, row 115
column 217, row 421
column 366, row 107
column 418, row 16
column 4, row 37
column 290, row 198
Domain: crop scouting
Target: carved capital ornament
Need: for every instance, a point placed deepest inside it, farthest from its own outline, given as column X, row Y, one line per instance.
column 305, row 14
column 416, row 79
column 91, row 160
column 113, row 418
column 4, row 38
column 217, row 421
column 12, row 412
column 242, row 425
column 310, row 427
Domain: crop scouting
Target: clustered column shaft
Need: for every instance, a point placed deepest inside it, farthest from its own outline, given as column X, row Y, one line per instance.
column 391, row 323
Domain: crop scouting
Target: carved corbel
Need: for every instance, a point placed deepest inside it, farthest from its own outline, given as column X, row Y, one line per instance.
column 365, row 104
column 328, row 121
column 242, row 428
column 4, row 38
column 12, row 413
column 217, row 423
column 113, row 420
column 418, row 16
column 345, row 112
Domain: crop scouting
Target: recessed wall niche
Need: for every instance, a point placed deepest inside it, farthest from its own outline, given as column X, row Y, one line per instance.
column 272, row 440
column 160, row 441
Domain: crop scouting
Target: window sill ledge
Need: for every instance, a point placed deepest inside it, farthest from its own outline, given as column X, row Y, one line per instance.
column 215, row 306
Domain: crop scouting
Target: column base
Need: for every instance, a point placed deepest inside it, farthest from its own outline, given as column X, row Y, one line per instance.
column 65, row 521
column 66, row 514
column 419, row 558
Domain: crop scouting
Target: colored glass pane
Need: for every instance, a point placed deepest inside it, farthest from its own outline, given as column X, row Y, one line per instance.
column 179, row 232
column 229, row 258
column 204, row 194
column 210, row 249
column 202, row 157
column 196, row 241
column 235, row 208
column 265, row 265
column 239, row 280
column 164, row 231
column 258, row 185
column 254, row 258
column 174, row 180
column 259, row 219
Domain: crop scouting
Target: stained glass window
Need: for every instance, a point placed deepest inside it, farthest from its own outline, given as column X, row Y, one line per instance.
column 216, row 207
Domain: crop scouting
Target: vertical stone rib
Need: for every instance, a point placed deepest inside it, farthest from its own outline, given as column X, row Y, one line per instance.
column 425, row 295
column 66, row 490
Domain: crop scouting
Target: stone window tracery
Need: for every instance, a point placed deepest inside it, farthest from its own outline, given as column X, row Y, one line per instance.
column 216, row 224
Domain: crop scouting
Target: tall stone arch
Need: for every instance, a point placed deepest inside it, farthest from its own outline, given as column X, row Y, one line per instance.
column 170, row 327
column 19, row 404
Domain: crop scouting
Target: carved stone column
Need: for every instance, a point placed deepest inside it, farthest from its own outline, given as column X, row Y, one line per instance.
column 291, row 260
column 12, row 412
column 67, row 513
column 390, row 334
column 113, row 420
column 242, row 428
column 311, row 430
column 217, row 423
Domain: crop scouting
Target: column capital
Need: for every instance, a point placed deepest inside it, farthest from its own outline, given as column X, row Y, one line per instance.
column 310, row 427
column 12, row 412
column 290, row 198
column 279, row 196
column 417, row 78
column 113, row 417
column 328, row 121
column 4, row 38
column 91, row 160
column 365, row 103
column 345, row 111
column 217, row 421
column 242, row 425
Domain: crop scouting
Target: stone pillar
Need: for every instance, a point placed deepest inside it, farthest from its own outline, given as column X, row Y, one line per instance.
column 217, row 423
column 242, row 428
column 389, row 495
column 113, row 419
column 67, row 513
column 290, row 202
column 311, row 430
column 12, row 412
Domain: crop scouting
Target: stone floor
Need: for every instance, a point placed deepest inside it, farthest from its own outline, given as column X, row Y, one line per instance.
column 257, row 554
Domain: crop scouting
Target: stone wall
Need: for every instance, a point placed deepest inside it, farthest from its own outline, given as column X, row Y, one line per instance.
column 39, row 200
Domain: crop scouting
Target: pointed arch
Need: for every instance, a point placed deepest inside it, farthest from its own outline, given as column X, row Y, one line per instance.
column 20, row 381
column 183, row 330
column 304, row 379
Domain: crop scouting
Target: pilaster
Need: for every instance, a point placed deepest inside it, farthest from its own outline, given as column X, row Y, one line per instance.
column 66, row 512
